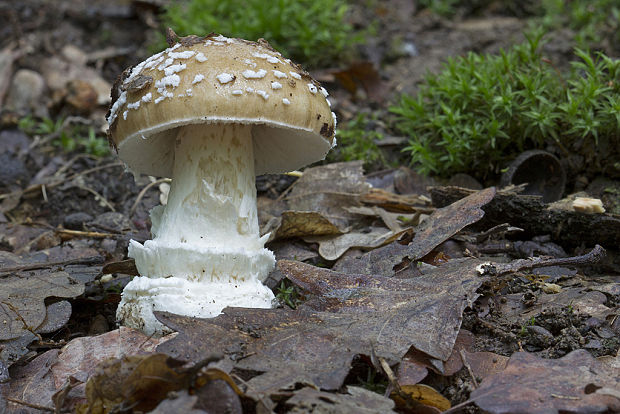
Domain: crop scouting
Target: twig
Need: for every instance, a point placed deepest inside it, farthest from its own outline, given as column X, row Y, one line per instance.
column 143, row 192
column 31, row 405
column 91, row 234
column 496, row 269
column 37, row 187
column 471, row 373
column 21, row 318
column 98, row 197
column 69, row 163
column 33, row 266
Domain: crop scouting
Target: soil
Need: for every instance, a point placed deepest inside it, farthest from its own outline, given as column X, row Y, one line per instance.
column 97, row 194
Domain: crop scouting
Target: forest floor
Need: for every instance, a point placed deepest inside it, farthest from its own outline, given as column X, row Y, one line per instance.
column 396, row 292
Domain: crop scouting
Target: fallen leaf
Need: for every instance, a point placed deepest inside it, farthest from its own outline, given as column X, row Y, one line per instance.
column 140, row 382
column 300, row 224
column 329, row 190
column 315, row 344
column 421, row 394
column 429, row 307
column 484, row 363
column 332, row 247
column 355, row 401
column 533, row 385
column 438, row 227
column 38, row 380
column 22, row 307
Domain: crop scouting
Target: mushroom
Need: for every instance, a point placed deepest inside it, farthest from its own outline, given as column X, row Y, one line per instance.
column 211, row 113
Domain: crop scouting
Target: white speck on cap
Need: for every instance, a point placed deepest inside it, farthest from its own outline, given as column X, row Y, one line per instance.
column 220, row 38
column 328, row 102
column 176, row 46
column 125, row 114
column 172, row 80
column 167, row 63
column 148, row 97
column 279, row 74
column 150, row 63
column 174, row 69
column 263, row 94
column 324, row 92
column 225, row 77
column 312, row 88
column 237, row 92
column 286, row 101
column 249, row 62
column 182, row 55
column 295, row 75
column 158, row 100
column 134, row 105
column 198, row 78
column 249, row 90
column 250, row 74
column 189, row 91
column 200, row 57
column 276, row 85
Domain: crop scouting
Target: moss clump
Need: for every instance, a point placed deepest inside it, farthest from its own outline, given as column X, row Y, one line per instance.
column 481, row 110
column 314, row 32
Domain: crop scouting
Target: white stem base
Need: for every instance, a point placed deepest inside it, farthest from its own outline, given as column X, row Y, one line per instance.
column 206, row 253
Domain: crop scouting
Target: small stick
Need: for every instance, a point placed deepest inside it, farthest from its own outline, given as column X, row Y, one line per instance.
column 143, row 192
column 592, row 257
column 471, row 373
column 80, row 233
column 85, row 260
column 31, row 405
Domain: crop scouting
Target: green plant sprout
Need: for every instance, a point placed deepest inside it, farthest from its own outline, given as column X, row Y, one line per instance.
column 481, row 110
column 68, row 138
column 315, row 32
column 373, row 382
column 287, row 293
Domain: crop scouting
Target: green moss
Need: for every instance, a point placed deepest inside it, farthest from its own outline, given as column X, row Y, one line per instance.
column 483, row 109
column 313, row 32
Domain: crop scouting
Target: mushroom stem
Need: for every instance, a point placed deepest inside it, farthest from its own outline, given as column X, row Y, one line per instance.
column 206, row 253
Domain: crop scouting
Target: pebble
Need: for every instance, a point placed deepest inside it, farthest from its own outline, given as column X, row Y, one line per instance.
column 76, row 221
column 26, row 93
column 111, row 221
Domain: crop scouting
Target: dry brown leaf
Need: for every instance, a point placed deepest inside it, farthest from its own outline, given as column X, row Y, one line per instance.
column 574, row 383
column 483, row 364
column 421, row 394
column 332, row 247
column 22, row 307
column 440, row 226
column 37, row 381
column 301, row 224
column 355, row 401
column 141, row 382
column 354, row 314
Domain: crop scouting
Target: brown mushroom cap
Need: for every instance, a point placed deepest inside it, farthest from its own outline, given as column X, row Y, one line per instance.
column 220, row 80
